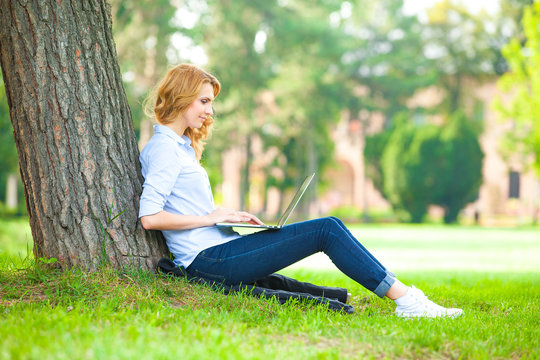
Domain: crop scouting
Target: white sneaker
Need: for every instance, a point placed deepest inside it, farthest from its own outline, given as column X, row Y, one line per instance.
column 418, row 305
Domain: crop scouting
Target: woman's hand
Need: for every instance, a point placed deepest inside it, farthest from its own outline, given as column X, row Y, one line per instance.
column 233, row 216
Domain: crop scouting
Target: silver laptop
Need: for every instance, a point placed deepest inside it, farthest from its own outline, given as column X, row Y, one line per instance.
column 283, row 219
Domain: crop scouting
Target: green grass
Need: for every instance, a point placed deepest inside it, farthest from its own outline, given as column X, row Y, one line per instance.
column 48, row 314
column 15, row 240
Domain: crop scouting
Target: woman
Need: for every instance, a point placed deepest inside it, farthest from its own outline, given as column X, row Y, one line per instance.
column 177, row 199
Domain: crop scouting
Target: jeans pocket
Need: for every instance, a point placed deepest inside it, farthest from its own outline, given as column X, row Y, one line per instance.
column 208, row 276
column 202, row 256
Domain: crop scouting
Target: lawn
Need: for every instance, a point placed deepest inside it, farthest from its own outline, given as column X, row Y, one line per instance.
column 490, row 273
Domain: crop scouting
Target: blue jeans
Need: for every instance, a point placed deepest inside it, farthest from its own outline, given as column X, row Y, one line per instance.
column 251, row 257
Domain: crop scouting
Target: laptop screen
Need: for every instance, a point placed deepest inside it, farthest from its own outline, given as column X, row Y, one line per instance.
column 295, row 200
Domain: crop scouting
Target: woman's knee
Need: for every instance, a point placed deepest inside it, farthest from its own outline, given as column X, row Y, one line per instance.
column 334, row 222
column 325, row 221
column 334, row 233
column 329, row 227
column 337, row 220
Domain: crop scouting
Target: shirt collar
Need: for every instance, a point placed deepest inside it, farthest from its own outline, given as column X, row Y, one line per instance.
column 162, row 129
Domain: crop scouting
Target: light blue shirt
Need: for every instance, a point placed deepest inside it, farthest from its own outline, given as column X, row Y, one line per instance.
column 175, row 182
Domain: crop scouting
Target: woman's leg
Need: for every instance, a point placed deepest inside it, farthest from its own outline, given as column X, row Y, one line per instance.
column 340, row 223
column 253, row 256
column 398, row 289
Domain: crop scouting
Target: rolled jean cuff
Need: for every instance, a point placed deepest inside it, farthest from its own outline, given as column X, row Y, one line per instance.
column 384, row 285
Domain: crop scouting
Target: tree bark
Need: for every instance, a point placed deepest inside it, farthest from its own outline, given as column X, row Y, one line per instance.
column 74, row 134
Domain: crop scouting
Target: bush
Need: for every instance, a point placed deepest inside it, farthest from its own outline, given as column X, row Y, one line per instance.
column 424, row 165
column 350, row 214
column 412, row 163
column 374, row 147
column 464, row 166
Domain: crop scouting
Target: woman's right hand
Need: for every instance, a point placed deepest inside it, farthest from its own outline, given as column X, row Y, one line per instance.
column 233, row 216
column 164, row 220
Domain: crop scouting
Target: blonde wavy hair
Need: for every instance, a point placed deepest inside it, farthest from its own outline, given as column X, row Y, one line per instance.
column 173, row 95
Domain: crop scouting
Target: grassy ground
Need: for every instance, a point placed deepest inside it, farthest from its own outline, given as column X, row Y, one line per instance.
column 123, row 315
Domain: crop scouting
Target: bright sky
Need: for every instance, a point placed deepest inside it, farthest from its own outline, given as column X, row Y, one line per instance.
column 474, row 6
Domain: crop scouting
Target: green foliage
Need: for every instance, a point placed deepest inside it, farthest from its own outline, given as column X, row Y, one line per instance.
column 462, row 175
column 373, row 148
column 384, row 56
column 8, row 153
column 411, row 164
column 142, row 33
column 355, row 215
column 307, row 89
column 349, row 214
column 9, row 162
column 437, row 54
column 523, row 84
column 508, row 24
column 429, row 165
column 275, row 92
column 398, row 56
column 229, row 33
column 463, row 47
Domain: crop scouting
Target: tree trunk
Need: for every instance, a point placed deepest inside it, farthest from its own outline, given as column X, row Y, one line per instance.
column 72, row 125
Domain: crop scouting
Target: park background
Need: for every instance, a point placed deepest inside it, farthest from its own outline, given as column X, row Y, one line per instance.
column 362, row 93
column 323, row 87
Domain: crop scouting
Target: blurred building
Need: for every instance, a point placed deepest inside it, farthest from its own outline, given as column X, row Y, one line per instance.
column 510, row 194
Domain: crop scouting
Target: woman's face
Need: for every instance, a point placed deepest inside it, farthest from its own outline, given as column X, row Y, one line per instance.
column 201, row 108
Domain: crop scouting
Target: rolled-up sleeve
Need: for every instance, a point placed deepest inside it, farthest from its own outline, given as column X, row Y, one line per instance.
column 160, row 168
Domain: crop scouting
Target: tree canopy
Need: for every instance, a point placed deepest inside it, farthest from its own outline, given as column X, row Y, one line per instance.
column 523, row 82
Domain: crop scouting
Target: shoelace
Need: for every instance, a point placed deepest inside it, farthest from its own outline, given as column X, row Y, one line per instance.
column 423, row 299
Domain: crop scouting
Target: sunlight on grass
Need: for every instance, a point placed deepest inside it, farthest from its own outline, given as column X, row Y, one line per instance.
column 15, row 242
column 429, row 247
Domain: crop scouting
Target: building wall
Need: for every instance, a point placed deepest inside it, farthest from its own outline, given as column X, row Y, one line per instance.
column 494, row 194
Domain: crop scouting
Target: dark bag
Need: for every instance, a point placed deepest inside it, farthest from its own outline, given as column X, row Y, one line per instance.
column 279, row 286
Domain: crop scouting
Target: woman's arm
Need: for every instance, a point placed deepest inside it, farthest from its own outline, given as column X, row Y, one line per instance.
column 164, row 220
